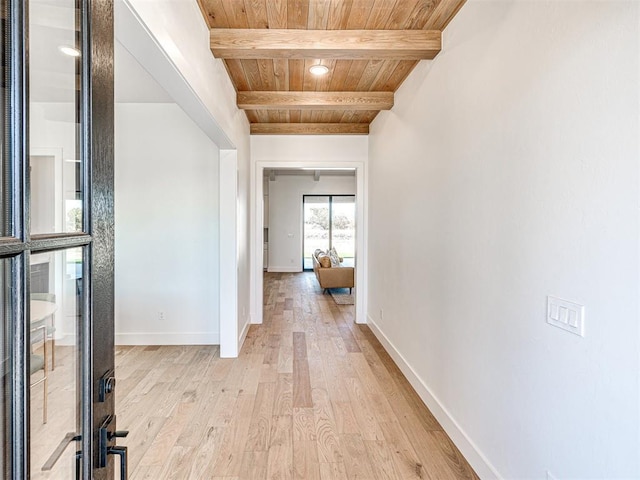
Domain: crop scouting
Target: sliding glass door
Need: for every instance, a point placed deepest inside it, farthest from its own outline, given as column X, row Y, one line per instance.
column 316, row 227
column 329, row 222
column 343, row 227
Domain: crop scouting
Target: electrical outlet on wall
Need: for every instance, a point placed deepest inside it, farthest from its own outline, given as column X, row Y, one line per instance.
column 161, row 316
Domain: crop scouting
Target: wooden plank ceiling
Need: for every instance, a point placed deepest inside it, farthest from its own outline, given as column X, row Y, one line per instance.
column 369, row 47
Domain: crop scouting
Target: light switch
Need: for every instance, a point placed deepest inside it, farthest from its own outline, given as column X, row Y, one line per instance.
column 566, row 315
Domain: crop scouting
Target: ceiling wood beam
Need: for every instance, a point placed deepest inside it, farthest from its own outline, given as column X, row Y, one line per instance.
column 326, row 44
column 309, row 129
column 315, row 100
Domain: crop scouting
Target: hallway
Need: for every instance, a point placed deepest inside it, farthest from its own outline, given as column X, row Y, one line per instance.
column 312, row 396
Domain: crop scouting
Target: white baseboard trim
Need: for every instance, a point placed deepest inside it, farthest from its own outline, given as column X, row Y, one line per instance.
column 471, row 452
column 255, row 321
column 243, row 336
column 284, row 269
column 166, row 338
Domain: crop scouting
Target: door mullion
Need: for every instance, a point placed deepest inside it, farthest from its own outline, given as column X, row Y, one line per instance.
column 17, row 149
column 20, row 368
column 18, row 121
column 86, row 373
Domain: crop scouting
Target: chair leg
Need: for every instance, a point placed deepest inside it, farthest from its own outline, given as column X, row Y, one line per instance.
column 45, row 383
column 44, row 402
column 53, row 342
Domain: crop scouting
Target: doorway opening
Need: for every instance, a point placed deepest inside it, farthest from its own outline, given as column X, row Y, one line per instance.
column 265, row 182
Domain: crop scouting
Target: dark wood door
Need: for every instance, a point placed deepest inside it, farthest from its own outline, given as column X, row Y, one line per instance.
column 57, row 281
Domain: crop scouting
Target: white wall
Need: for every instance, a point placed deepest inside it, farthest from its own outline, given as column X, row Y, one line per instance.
column 167, row 227
column 286, row 214
column 171, row 41
column 508, row 171
column 179, row 30
column 309, row 149
column 53, row 135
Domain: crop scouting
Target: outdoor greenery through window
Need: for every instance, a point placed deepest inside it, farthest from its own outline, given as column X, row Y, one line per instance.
column 329, row 222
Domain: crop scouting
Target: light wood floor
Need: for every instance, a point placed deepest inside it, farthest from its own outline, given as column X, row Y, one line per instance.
column 312, row 396
column 61, row 418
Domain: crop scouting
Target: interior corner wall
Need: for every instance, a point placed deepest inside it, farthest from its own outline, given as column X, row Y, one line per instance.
column 508, row 171
column 200, row 84
column 167, row 228
column 286, row 215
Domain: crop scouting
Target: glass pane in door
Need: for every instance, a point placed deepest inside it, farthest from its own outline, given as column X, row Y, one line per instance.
column 54, row 114
column 316, row 226
column 343, row 227
column 55, row 326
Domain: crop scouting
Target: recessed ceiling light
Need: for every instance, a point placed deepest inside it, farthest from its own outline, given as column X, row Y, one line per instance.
column 67, row 50
column 319, row 70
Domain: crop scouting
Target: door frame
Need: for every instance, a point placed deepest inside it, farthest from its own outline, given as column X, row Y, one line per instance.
column 98, row 35
column 257, row 234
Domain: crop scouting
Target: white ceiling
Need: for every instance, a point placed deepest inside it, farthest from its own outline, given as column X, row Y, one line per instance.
column 53, row 79
column 53, row 74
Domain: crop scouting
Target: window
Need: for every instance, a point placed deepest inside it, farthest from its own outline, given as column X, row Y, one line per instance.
column 329, row 222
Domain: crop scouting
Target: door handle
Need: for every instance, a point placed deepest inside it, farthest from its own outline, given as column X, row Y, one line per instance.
column 57, row 453
column 122, row 453
column 78, row 465
column 106, row 436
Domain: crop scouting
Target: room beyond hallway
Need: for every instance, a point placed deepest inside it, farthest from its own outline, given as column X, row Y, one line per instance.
column 311, row 396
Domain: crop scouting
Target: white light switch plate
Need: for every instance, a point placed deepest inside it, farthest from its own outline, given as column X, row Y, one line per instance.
column 566, row 315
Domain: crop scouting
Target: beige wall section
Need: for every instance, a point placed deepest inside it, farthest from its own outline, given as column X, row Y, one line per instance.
column 508, row 171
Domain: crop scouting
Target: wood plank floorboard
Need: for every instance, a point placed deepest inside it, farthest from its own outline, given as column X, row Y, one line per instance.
column 312, row 396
